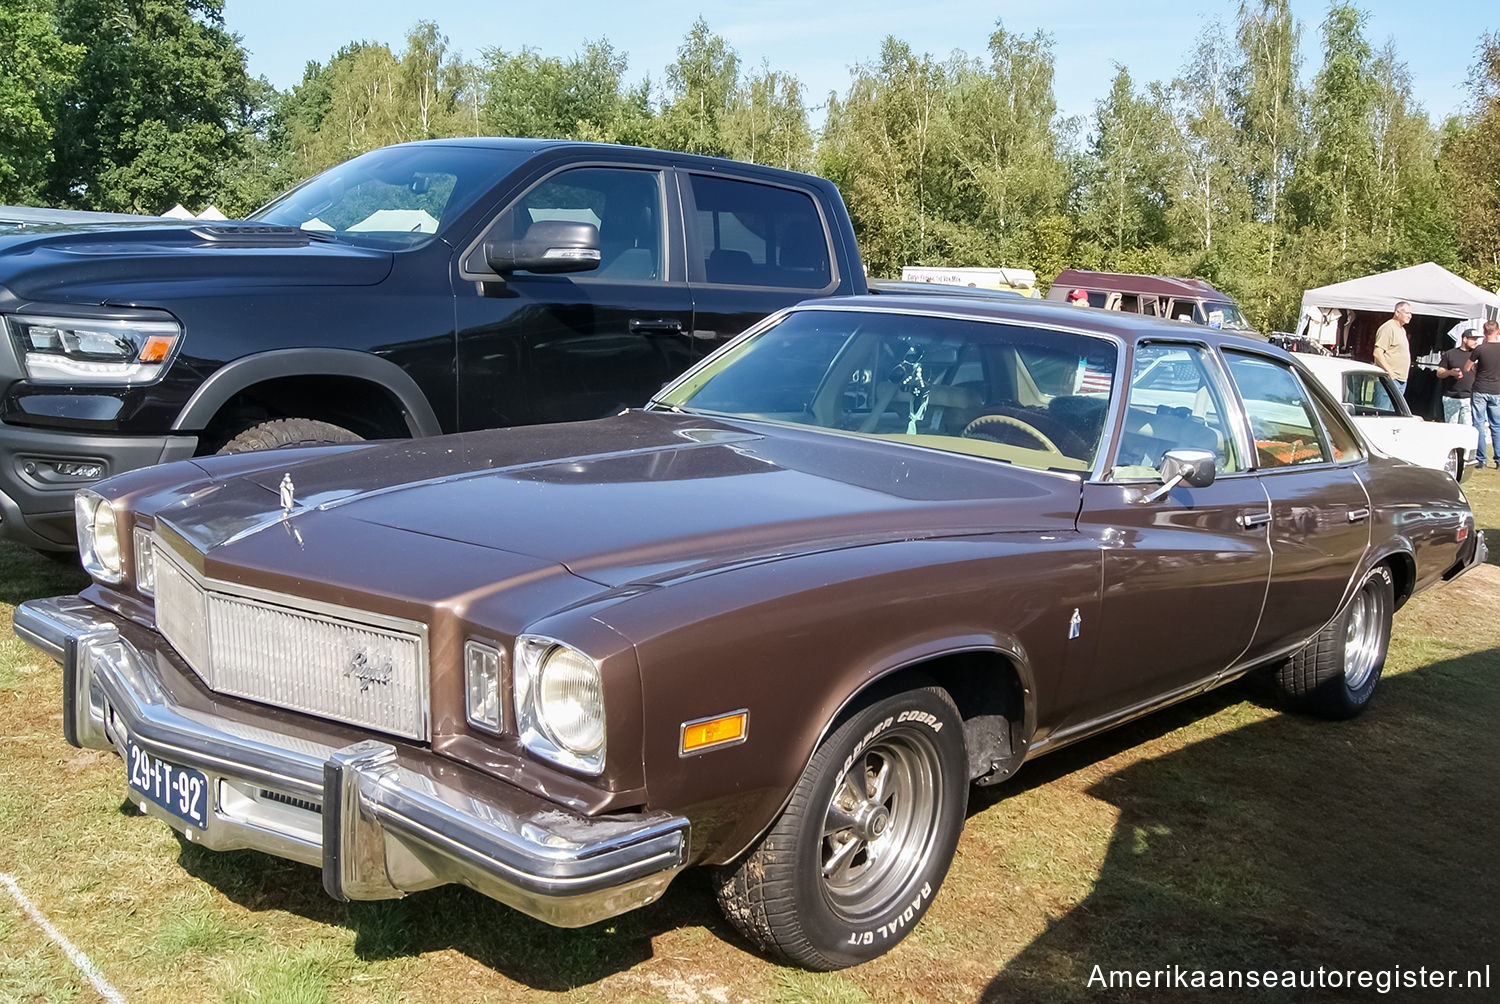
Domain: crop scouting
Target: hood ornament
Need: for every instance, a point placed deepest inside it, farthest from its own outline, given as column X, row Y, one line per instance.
column 288, row 495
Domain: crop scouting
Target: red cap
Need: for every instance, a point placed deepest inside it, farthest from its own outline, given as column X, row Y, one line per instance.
column 1078, row 294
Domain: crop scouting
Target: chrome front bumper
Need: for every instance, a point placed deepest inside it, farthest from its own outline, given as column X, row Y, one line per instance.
column 380, row 821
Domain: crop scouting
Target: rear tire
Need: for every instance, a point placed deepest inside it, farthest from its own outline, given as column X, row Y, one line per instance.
column 284, row 433
column 1335, row 673
column 857, row 855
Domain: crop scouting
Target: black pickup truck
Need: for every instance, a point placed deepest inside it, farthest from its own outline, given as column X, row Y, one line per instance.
column 418, row 289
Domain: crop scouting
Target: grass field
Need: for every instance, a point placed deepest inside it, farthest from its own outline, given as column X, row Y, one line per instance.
column 1219, row 835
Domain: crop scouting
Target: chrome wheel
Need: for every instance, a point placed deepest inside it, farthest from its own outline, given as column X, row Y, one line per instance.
column 881, row 822
column 1363, row 638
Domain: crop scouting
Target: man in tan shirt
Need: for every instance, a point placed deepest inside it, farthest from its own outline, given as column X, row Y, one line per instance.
column 1392, row 350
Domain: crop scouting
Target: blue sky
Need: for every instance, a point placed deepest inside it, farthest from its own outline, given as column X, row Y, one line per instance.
column 820, row 42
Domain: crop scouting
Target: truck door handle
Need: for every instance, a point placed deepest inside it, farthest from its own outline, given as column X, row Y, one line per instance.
column 1356, row 515
column 1249, row 520
column 656, row 325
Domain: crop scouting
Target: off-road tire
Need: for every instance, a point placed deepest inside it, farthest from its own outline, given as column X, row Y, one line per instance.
column 906, row 755
column 282, row 433
column 1334, row 675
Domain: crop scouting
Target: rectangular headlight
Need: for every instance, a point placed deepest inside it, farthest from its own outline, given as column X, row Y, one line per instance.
column 482, row 678
column 82, row 350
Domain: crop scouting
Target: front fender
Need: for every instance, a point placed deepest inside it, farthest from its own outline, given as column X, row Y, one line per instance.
column 797, row 641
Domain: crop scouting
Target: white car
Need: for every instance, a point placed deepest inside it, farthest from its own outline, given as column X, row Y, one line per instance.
column 1381, row 414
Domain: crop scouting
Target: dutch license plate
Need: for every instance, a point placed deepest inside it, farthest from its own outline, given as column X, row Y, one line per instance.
column 182, row 791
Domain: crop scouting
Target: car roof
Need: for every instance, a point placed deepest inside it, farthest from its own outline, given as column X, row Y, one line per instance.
column 1334, row 364
column 1051, row 313
column 1130, row 282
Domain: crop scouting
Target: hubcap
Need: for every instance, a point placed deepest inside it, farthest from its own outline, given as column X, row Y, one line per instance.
column 1362, row 638
column 881, row 821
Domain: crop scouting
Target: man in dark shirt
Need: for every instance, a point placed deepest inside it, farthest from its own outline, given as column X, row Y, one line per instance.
column 1484, row 400
column 1458, row 379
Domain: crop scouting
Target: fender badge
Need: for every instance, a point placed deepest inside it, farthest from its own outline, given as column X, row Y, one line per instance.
column 288, row 495
column 1075, row 625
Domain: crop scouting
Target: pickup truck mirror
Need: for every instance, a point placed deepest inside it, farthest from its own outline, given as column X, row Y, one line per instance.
column 549, row 246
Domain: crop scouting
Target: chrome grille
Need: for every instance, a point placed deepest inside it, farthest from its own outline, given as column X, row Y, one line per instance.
column 340, row 664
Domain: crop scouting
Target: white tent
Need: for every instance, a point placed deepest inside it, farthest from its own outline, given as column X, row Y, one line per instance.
column 1430, row 289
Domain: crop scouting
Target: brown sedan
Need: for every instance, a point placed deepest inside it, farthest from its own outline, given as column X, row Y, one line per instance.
column 872, row 552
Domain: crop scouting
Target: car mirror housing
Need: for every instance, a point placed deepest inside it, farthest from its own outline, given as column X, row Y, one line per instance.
column 549, row 247
column 1196, row 467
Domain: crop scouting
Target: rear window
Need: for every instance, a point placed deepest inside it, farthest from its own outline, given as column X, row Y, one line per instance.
column 750, row 234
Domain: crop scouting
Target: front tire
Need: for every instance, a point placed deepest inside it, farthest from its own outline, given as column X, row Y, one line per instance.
column 1334, row 674
column 283, row 433
column 854, row 860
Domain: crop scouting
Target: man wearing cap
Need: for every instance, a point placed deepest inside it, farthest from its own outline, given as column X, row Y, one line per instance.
column 1392, row 350
column 1079, row 298
column 1458, row 378
column 1484, row 399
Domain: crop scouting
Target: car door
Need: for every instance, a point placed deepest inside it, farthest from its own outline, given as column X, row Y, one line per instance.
column 548, row 348
column 753, row 247
column 1185, row 571
column 1309, row 463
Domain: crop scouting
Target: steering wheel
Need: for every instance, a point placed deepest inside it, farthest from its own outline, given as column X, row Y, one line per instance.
column 976, row 430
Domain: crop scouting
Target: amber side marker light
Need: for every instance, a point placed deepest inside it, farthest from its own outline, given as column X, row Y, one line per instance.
column 714, row 733
column 155, row 350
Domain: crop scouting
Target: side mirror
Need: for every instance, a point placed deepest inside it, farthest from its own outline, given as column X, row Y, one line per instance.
column 549, row 247
column 1196, row 467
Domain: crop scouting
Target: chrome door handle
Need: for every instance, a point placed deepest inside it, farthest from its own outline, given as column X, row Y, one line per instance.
column 1355, row 515
column 1249, row 520
column 662, row 325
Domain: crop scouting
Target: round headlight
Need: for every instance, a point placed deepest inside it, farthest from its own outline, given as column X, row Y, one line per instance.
column 107, row 538
column 570, row 701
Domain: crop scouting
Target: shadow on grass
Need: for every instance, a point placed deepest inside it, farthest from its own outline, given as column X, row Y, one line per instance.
column 1294, row 844
column 26, row 574
column 512, row 944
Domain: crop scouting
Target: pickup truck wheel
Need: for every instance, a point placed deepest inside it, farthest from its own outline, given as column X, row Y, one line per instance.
column 1335, row 673
column 285, row 432
column 855, row 858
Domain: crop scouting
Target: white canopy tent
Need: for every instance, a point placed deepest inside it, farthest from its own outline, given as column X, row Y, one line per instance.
column 1430, row 289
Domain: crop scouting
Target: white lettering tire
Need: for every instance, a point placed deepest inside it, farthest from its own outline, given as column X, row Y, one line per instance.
column 853, row 862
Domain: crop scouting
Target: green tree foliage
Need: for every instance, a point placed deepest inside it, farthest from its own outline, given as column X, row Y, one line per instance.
column 1128, row 187
column 34, row 67
column 700, row 86
column 585, row 97
column 1469, row 169
column 157, row 109
column 766, row 122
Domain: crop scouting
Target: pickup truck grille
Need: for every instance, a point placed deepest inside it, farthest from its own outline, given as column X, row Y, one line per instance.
column 334, row 664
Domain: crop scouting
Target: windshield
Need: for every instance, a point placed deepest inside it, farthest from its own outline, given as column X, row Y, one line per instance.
column 395, row 197
column 1221, row 315
column 1032, row 397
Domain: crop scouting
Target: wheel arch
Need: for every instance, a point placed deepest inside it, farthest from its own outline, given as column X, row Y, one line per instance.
column 256, row 373
column 989, row 680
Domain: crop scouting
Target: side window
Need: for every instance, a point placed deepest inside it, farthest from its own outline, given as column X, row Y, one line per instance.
column 625, row 205
column 1370, row 394
column 759, row 235
column 1281, row 416
column 1174, row 403
column 1130, row 303
column 1342, row 439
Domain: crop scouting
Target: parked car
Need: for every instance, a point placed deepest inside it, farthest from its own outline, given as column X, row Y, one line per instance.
column 418, row 289
column 874, row 551
column 1381, row 413
column 1172, row 297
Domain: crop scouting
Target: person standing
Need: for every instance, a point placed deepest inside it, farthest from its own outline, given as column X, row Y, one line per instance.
column 1458, row 379
column 1392, row 349
column 1484, row 400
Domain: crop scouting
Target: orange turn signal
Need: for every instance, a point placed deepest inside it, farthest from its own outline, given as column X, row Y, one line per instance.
column 155, row 350
column 708, row 733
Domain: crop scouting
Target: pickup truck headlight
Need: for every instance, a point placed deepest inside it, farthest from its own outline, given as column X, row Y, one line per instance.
column 560, row 703
column 84, row 350
column 98, row 536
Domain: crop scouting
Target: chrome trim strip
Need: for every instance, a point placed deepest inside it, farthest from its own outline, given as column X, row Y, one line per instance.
column 394, row 821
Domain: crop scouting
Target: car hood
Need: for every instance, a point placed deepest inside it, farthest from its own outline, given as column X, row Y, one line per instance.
column 644, row 496
column 62, row 260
